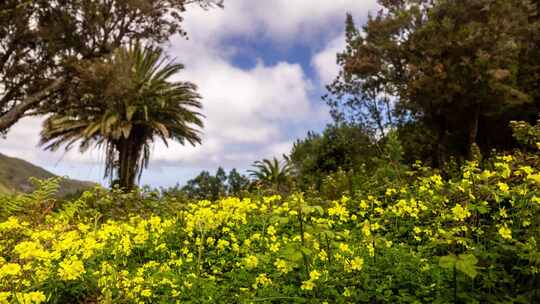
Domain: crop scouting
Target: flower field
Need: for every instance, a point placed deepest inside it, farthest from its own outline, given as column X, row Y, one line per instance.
column 468, row 240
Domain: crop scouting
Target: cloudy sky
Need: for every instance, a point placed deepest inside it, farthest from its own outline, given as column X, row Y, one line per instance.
column 261, row 67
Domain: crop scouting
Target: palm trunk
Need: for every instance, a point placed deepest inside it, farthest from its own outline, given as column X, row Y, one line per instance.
column 129, row 151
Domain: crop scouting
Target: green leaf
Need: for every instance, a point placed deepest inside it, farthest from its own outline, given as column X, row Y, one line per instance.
column 292, row 253
column 466, row 263
column 306, row 251
column 319, row 209
column 282, row 220
column 448, row 261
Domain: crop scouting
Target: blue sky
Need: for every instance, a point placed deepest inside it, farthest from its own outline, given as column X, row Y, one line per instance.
column 261, row 67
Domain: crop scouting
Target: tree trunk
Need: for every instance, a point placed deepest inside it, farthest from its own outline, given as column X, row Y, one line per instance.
column 127, row 167
column 18, row 111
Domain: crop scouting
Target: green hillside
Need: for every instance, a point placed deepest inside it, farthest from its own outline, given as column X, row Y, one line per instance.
column 15, row 174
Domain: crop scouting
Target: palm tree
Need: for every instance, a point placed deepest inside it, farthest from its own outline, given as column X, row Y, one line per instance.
column 273, row 173
column 126, row 102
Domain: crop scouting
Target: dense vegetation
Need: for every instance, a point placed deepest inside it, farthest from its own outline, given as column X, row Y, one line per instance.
column 470, row 239
column 424, row 189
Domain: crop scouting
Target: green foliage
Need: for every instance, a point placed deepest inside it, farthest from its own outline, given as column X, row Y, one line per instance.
column 526, row 134
column 212, row 187
column 273, row 174
column 34, row 204
column 452, row 73
column 340, row 147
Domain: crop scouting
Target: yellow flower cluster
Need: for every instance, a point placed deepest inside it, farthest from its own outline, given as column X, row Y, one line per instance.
column 314, row 275
column 71, row 269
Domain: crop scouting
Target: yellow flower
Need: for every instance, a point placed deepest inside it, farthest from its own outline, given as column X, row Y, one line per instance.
column 28, row 249
column 366, row 229
column 314, row 275
column 147, row 293
column 222, row 244
column 505, row 232
column 323, row 256
column 390, row 192
column 357, row 263
column 274, row 247
column 4, row 296
column 71, row 269
column 10, row 269
column 271, row 230
column 460, row 213
column 503, row 213
column 340, row 211
column 11, row 224
column 503, row 187
column 34, row 297
column 307, row 285
column 262, row 280
column 371, row 249
column 344, row 248
column 282, row 266
column 534, row 177
column 251, row 261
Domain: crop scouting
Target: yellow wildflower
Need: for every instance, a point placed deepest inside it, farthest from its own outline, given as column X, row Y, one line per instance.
column 357, row 263
column 344, row 248
column 147, row 293
column 222, row 244
column 34, row 297
column 71, row 269
column 10, row 269
column 251, row 261
column 4, row 297
column 307, row 285
column 503, row 187
column 282, row 266
column 505, row 232
column 314, row 275
column 460, row 213
column 271, row 230
column 262, row 280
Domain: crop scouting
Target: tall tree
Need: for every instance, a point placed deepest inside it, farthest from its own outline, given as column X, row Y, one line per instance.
column 451, row 66
column 127, row 101
column 42, row 41
column 236, row 183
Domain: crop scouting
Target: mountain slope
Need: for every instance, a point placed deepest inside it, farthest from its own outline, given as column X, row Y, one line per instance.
column 15, row 172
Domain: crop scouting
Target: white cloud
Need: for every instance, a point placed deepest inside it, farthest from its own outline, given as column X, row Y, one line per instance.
column 280, row 20
column 324, row 62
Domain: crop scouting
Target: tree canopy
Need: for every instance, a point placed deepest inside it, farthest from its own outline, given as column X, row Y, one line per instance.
column 459, row 69
column 42, row 43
